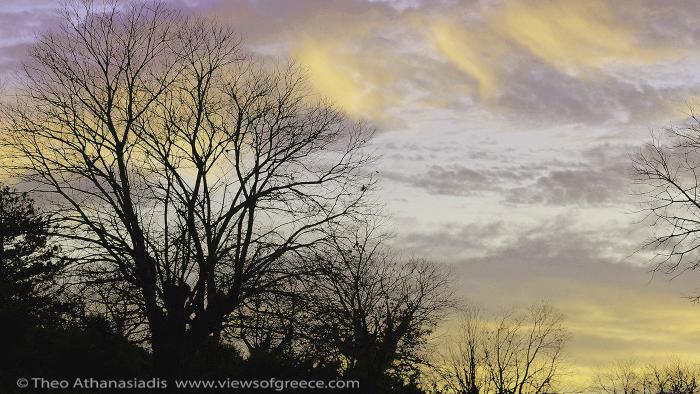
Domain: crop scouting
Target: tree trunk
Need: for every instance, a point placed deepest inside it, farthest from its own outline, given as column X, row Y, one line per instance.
column 169, row 352
column 170, row 343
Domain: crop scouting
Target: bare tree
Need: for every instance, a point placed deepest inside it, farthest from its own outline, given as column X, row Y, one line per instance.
column 523, row 352
column 667, row 173
column 181, row 169
column 460, row 367
column 375, row 310
column 515, row 352
column 672, row 377
column 620, row 378
column 675, row 377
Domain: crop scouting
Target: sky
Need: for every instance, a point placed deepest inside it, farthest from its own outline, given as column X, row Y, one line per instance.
column 505, row 130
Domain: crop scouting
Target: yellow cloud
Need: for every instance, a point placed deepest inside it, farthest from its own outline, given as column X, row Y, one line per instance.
column 336, row 76
column 572, row 36
column 474, row 52
column 610, row 324
column 686, row 107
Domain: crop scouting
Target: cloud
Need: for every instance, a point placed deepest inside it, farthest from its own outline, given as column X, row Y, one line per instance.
column 600, row 179
column 597, row 177
column 338, row 74
column 557, row 97
column 559, row 60
column 572, row 35
column 452, row 242
column 476, row 52
column 534, row 61
column 590, row 62
column 344, row 46
column 19, row 26
column 452, row 180
column 564, row 187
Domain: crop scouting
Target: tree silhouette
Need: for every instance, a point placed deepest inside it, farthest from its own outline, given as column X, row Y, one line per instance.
column 29, row 264
column 460, row 367
column 44, row 332
column 375, row 311
column 621, row 378
column 669, row 377
column 517, row 352
column 666, row 172
column 181, row 169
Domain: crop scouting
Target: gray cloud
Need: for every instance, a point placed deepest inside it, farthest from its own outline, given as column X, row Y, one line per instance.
column 598, row 177
column 504, row 260
column 537, row 92
column 560, row 240
column 454, row 180
column 564, row 187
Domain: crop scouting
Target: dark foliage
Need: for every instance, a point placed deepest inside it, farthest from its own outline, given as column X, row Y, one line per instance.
column 40, row 334
column 28, row 263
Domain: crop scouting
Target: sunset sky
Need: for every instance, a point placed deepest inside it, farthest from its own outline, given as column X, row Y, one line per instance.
column 505, row 129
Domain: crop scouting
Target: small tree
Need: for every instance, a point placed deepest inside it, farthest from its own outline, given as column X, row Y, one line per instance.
column 523, row 352
column 31, row 301
column 518, row 352
column 460, row 367
column 670, row 377
column 621, row 378
column 376, row 311
column 29, row 264
column 674, row 377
